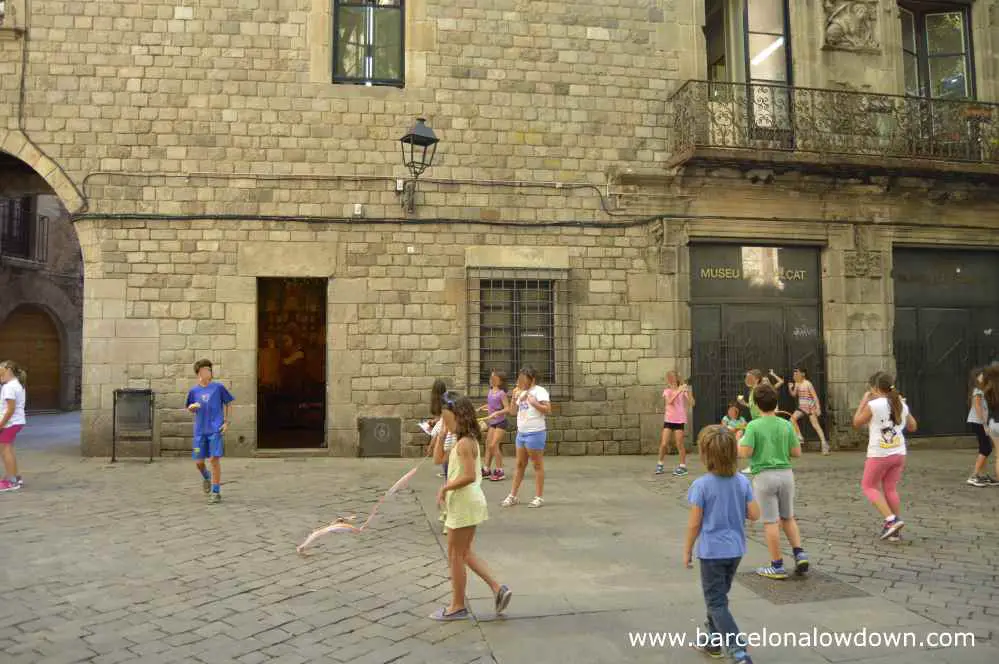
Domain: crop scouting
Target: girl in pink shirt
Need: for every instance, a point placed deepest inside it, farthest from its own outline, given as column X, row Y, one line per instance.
column 678, row 398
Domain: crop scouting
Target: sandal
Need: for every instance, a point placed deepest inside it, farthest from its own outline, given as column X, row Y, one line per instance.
column 537, row 502
column 442, row 615
column 510, row 501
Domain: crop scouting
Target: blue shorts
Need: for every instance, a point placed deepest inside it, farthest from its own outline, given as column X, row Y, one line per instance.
column 207, row 447
column 534, row 441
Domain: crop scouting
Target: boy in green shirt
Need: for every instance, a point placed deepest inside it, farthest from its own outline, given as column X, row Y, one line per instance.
column 770, row 442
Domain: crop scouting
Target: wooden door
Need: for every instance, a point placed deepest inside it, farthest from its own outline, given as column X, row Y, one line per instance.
column 29, row 337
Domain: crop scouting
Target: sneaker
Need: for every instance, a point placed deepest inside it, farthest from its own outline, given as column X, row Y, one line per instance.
column 497, row 475
column 746, row 471
column 801, row 563
column 772, row 572
column 503, row 596
column 537, row 502
column 20, row 482
column 206, row 485
column 510, row 501
column 892, row 528
column 894, row 539
column 679, row 471
column 714, row 652
column 443, row 616
column 977, row 480
column 485, row 472
column 441, row 475
column 7, row 485
column 742, row 657
column 660, row 469
column 991, row 481
column 214, row 498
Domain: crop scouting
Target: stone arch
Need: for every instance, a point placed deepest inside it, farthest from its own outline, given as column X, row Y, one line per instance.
column 64, row 314
column 15, row 143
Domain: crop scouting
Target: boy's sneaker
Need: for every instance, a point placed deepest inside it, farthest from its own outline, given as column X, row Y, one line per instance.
column 498, row 475
column 206, row 485
column 801, row 563
column 742, row 657
column 714, row 652
column 991, row 481
column 772, row 572
column 660, row 469
column 978, row 480
column 7, row 485
column 892, row 528
column 214, row 498
column 679, row 471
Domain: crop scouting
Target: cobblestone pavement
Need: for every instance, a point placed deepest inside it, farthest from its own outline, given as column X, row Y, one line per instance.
column 946, row 569
column 129, row 564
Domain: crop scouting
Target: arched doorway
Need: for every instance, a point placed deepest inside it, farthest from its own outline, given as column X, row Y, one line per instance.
column 29, row 337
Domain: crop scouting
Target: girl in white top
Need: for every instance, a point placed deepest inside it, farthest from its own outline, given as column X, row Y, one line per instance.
column 532, row 404
column 978, row 418
column 12, row 420
column 886, row 416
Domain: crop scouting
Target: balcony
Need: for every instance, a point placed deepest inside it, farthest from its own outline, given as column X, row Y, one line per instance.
column 838, row 131
column 23, row 234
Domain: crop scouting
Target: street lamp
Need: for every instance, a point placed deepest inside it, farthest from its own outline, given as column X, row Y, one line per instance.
column 419, row 146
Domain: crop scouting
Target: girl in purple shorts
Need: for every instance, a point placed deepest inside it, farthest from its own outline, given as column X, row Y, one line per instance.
column 497, row 403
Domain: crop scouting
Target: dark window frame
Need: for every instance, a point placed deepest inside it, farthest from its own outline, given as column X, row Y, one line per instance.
column 399, row 82
column 919, row 11
column 17, row 228
column 556, row 370
column 788, row 57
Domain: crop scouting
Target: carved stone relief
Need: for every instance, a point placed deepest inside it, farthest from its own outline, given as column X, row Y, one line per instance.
column 862, row 264
column 852, row 25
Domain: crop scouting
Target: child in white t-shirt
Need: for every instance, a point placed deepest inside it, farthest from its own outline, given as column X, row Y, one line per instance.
column 532, row 404
column 12, row 420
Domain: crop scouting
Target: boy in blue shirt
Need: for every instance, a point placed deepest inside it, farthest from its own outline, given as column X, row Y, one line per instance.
column 720, row 502
column 209, row 401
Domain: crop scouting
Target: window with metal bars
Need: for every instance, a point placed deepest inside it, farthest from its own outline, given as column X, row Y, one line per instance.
column 17, row 228
column 369, row 42
column 517, row 319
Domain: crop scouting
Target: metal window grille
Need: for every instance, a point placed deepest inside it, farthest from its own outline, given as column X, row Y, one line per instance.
column 519, row 318
column 369, row 42
column 22, row 234
column 3, row 10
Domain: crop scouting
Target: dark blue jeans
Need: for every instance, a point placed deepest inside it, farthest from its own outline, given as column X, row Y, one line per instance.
column 716, row 581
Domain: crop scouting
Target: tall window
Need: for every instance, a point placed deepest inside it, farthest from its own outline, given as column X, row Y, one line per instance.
column 519, row 318
column 368, row 45
column 767, row 52
column 17, row 228
column 936, row 50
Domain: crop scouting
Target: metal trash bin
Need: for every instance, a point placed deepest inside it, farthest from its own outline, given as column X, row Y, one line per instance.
column 133, row 418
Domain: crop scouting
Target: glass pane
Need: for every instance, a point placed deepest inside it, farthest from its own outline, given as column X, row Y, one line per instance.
column 496, row 319
column 908, row 31
column 767, row 60
column 494, row 296
column 911, row 65
column 945, row 33
column 947, row 77
column 388, row 44
column 352, row 40
column 766, row 16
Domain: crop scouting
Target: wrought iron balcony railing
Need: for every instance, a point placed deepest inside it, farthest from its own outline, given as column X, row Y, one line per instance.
column 24, row 235
column 713, row 119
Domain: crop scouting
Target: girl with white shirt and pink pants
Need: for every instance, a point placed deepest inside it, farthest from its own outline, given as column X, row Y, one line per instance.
column 886, row 416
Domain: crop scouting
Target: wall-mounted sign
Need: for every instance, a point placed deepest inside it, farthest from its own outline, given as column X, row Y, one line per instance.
column 746, row 272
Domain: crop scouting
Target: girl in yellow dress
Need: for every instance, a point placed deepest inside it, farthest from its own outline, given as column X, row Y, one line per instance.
column 465, row 507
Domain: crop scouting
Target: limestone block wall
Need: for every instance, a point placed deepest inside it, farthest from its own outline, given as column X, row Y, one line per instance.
column 159, row 296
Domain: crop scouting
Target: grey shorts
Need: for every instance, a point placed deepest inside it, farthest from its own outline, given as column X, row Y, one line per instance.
column 774, row 490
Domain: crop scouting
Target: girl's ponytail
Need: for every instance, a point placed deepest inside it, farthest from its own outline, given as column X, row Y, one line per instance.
column 885, row 383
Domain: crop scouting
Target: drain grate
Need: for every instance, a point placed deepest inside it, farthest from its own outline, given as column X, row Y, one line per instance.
column 815, row 587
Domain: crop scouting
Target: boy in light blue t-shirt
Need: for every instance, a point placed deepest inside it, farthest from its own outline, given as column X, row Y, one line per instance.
column 720, row 503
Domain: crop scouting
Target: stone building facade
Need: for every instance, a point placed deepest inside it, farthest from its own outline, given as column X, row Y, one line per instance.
column 620, row 189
